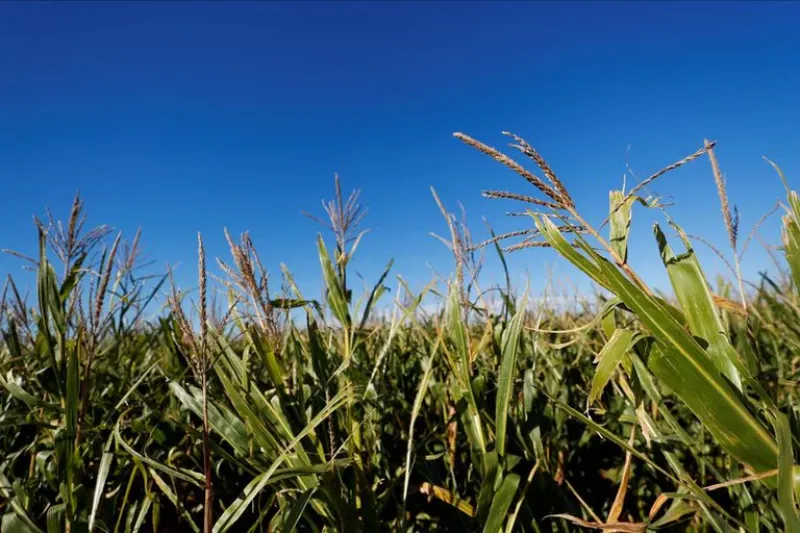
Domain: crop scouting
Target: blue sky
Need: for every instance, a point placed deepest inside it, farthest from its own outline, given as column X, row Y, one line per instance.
column 184, row 117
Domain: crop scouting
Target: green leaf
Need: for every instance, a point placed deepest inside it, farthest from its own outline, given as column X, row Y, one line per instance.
column 490, row 474
column 238, row 507
column 266, row 351
column 18, row 520
column 335, row 291
column 291, row 303
column 505, row 380
column 791, row 245
column 131, row 516
column 608, row 323
column 55, row 518
column 13, row 523
column 319, row 356
column 786, row 495
column 16, row 391
column 427, row 365
column 45, row 292
column 102, row 475
column 194, row 478
column 228, row 426
column 297, row 510
column 677, row 512
column 375, row 294
column 622, row 443
column 501, row 503
column 528, row 391
column 502, row 256
column 457, row 330
column 143, row 510
column 72, row 406
column 262, row 418
column 620, row 222
column 684, row 366
column 721, row 412
column 608, row 359
column 73, row 277
column 694, row 295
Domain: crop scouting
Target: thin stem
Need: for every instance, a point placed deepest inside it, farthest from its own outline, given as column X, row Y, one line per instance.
column 208, row 517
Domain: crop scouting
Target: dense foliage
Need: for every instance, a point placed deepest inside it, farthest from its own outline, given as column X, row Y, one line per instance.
column 276, row 412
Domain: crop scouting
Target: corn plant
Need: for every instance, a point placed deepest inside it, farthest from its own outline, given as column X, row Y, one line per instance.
column 127, row 404
column 685, row 347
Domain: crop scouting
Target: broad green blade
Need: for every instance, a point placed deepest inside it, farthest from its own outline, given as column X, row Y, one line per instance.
column 336, row 293
column 506, row 294
column 131, row 516
column 46, row 289
column 458, row 332
column 490, row 474
column 187, row 475
column 71, row 408
column 255, row 425
column 459, row 335
column 267, row 354
column 73, row 277
column 505, row 380
column 252, row 409
column 14, row 524
column 18, row 519
column 786, row 496
column 501, row 503
column 238, row 507
column 228, row 426
column 375, row 294
column 677, row 512
column 619, row 220
column 692, row 291
column 427, row 365
column 720, row 410
column 791, row 245
column 16, row 391
column 296, row 511
column 102, row 475
column 684, row 365
column 317, row 352
column 608, row 359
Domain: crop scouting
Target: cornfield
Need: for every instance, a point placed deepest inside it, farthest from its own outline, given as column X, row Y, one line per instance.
column 129, row 405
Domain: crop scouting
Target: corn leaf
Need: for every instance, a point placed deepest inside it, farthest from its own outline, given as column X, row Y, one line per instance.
column 608, row 359
column 463, row 363
column 186, row 475
column 102, row 475
column 692, row 291
column 335, row 291
column 621, row 208
column 18, row 519
column 791, row 245
column 505, row 381
column 501, row 503
column 786, row 496
column 684, row 366
column 238, row 507
column 296, row 511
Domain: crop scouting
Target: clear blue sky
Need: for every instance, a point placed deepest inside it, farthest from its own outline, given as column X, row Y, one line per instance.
column 179, row 117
